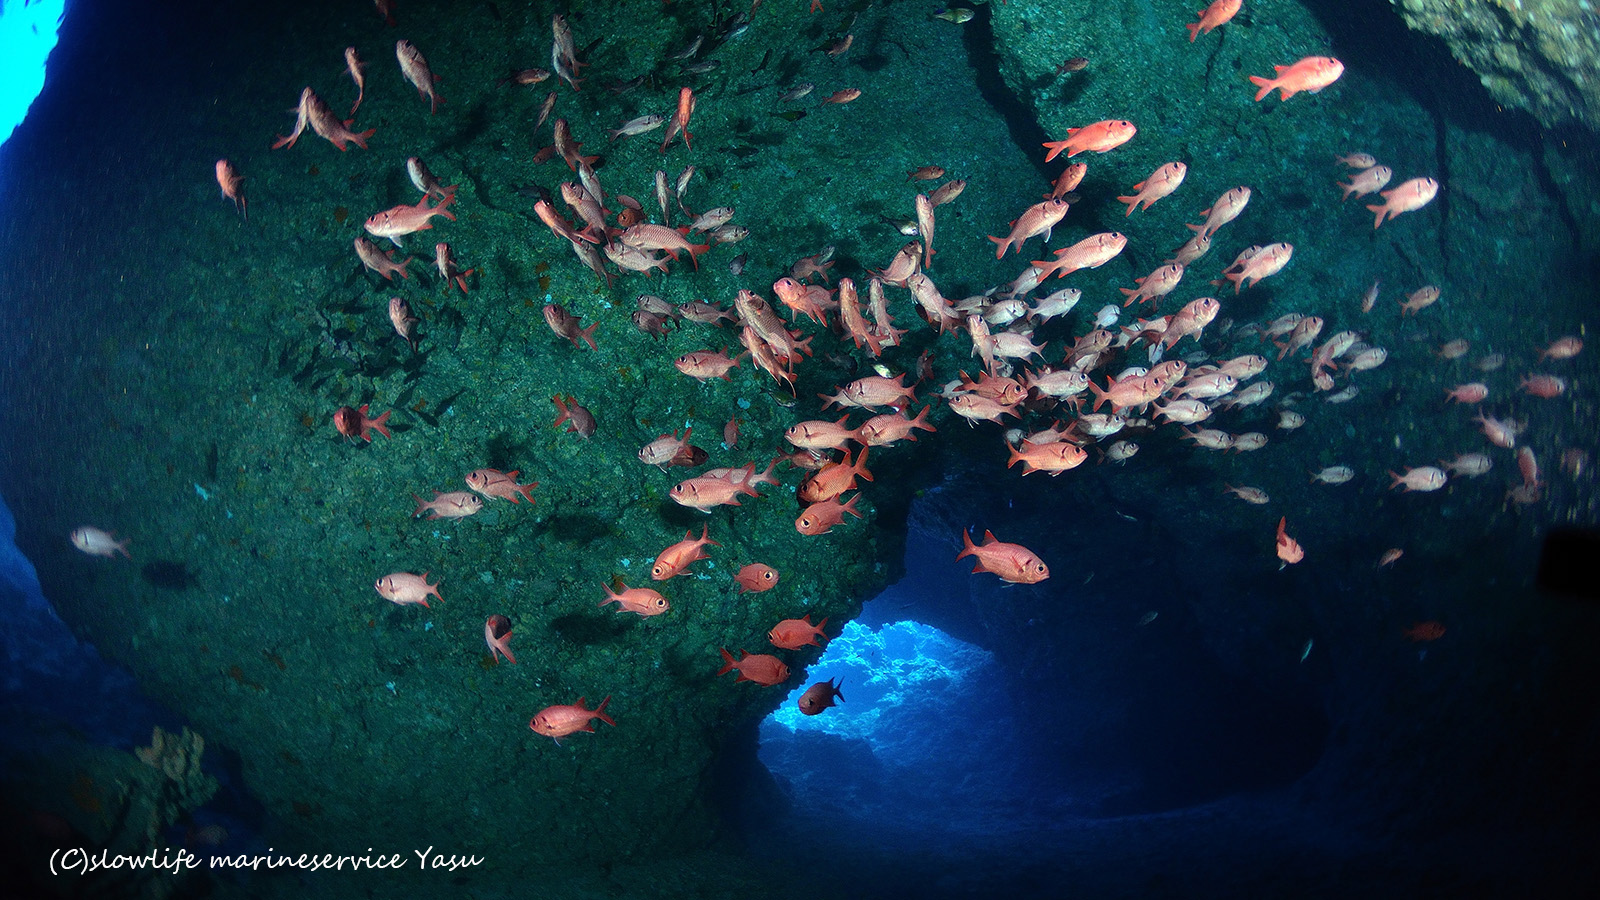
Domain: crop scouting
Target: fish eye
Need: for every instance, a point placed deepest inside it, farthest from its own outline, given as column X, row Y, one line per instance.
column 661, row 602
column 768, row 576
column 805, row 521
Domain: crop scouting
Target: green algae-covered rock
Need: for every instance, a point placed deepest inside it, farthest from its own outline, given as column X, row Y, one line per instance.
column 198, row 378
column 1539, row 55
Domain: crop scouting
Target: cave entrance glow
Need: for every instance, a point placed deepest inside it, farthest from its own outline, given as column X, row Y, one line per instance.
column 1098, row 694
column 920, row 708
column 27, row 35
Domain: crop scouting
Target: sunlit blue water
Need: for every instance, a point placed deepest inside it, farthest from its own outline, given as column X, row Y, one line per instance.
column 920, row 707
column 27, row 35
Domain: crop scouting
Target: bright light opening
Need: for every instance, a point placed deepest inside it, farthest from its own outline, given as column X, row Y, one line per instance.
column 921, row 708
column 27, row 35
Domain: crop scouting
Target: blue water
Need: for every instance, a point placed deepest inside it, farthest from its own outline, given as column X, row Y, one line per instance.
column 52, row 680
column 49, row 676
column 27, row 35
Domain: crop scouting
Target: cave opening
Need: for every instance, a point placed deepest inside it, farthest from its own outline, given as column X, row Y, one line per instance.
column 989, row 708
column 28, row 34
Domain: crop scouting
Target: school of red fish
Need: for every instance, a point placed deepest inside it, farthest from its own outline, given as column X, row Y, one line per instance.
column 1060, row 392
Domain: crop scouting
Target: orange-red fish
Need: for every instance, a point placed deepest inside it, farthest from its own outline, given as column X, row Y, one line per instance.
column 819, row 518
column 756, row 578
column 1161, row 183
column 1099, row 137
column 1288, row 548
column 644, row 601
column 232, row 185
column 761, row 668
column 495, row 483
column 1310, row 74
column 416, row 70
column 1217, row 14
column 1410, row 195
column 1012, row 562
column 559, row 721
column 792, row 634
column 680, row 119
column 497, row 634
column 677, row 558
column 578, row 418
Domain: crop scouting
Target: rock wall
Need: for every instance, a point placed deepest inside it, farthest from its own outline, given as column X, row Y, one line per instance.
column 1539, row 55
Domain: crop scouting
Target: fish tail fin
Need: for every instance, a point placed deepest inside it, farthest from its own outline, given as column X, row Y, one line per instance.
column 727, row 660
column 967, row 546
column 600, row 712
column 1266, row 85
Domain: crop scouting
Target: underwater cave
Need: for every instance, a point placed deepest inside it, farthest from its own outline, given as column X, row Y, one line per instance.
column 1033, row 704
column 1176, row 712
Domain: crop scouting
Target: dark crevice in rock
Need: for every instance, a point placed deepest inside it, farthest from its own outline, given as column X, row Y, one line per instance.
column 1547, row 183
column 1370, row 38
column 1441, row 164
column 1019, row 117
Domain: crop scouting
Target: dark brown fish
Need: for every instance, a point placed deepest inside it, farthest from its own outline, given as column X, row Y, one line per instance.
column 689, row 456
column 653, row 304
column 1075, row 64
column 651, row 323
column 704, row 313
column 578, row 418
column 566, row 325
column 524, row 76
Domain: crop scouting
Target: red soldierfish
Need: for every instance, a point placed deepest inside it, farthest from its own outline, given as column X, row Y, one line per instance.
column 643, row 601
column 1310, row 74
column 1288, row 548
column 399, row 221
column 559, row 721
column 95, row 542
column 792, row 634
column 405, row 324
column 761, row 668
column 1012, row 562
column 406, row 588
column 1217, row 14
column 354, row 66
column 380, row 261
column 1099, row 137
column 497, row 634
column 232, row 185
column 1161, row 182
column 1411, row 195
column 416, row 70
column 680, row 119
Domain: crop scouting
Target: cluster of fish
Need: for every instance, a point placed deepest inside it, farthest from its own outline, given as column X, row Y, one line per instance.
column 631, row 244
column 999, row 323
